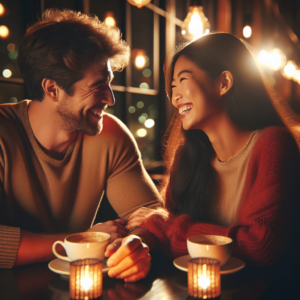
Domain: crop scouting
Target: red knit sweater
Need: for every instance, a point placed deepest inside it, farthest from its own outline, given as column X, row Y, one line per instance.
column 266, row 216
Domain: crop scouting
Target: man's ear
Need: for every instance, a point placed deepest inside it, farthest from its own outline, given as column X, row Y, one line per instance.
column 226, row 82
column 50, row 88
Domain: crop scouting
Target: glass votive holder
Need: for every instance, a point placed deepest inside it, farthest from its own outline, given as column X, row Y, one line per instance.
column 204, row 280
column 86, row 279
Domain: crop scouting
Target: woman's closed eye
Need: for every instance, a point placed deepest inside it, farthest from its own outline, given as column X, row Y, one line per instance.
column 181, row 79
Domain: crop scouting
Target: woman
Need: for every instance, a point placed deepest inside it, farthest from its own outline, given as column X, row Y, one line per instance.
column 231, row 165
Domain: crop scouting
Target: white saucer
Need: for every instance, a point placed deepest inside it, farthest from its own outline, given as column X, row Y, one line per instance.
column 63, row 267
column 233, row 265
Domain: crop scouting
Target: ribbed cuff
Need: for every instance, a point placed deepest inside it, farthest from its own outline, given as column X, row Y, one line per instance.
column 9, row 245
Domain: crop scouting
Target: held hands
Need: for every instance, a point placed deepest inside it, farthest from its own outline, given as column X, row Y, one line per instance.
column 129, row 259
column 114, row 228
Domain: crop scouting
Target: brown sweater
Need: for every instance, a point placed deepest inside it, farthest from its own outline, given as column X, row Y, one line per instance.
column 44, row 195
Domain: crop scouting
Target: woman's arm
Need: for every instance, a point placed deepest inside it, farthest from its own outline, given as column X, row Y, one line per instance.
column 267, row 210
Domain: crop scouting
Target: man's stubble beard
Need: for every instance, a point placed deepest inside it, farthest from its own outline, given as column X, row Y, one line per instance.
column 72, row 123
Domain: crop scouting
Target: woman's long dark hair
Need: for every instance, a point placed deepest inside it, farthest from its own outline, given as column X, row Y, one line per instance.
column 188, row 154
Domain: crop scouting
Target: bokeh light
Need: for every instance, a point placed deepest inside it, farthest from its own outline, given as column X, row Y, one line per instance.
column 13, row 54
column 140, row 61
column 276, row 59
column 142, row 132
column 109, row 19
column 4, row 31
column 290, row 69
column 6, row 73
column 131, row 109
column 140, row 104
column 149, row 123
column 296, row 76
column 144, row 85
column 2, row 10
column 11, row 47
column 147, row 72
column 263, row 57
column 247, row 31
column 142, row 119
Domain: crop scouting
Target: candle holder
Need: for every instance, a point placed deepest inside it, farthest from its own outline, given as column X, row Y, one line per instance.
column 86, row 279
column 204, row 278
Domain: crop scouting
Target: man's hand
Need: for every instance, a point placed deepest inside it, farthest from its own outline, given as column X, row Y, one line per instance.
column 114, row 228
column 138, row 216
column 129, row 259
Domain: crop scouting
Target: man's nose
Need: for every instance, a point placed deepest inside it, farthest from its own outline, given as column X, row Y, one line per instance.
column 110, row 99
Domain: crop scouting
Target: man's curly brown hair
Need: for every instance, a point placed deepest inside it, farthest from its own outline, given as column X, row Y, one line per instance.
column 63, row 44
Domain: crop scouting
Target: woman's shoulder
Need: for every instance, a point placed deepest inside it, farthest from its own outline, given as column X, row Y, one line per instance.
column 275, row 142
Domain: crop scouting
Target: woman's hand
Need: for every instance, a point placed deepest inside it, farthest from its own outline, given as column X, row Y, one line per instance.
column 114, row 228
column 129, row 258
column 138, row 216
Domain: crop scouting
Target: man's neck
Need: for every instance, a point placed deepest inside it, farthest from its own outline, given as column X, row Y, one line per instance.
column 47, row 130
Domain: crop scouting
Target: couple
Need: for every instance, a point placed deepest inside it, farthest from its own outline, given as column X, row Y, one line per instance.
column 231, row 164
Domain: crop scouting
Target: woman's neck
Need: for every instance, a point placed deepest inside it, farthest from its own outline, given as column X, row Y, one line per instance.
column 226, row 138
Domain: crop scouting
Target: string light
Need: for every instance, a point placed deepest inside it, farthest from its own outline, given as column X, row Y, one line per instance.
column 289, row 70
column 2, row 10
column 4, row 31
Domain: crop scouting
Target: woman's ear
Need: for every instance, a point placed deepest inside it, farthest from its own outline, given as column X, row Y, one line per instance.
column 226, row 82
column 50, row 88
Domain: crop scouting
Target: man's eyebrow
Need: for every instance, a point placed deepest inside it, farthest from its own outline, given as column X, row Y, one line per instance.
column 101, row 81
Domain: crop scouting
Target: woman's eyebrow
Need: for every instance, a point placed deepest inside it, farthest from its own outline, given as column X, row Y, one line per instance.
column 183, row 71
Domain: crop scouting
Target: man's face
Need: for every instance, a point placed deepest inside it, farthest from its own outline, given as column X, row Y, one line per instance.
column 83, row 112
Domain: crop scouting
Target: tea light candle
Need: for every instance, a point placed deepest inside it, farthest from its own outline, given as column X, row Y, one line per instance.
column 204, row 278
column 86, row 279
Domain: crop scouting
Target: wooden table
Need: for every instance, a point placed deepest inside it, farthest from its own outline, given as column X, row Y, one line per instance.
column 164, row 282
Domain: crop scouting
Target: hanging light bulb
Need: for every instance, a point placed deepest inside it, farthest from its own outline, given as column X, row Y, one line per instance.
column 109, row 19
column 247, row 31
column 289, row 69
column 2, row 10
column 195, row 23
column 139, row 3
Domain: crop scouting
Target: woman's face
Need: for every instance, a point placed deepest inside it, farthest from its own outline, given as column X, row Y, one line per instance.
column 195, row 95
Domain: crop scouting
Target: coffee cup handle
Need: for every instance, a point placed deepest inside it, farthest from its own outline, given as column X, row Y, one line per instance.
column 66, row 258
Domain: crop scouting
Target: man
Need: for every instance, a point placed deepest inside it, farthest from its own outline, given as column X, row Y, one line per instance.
column 60, row 151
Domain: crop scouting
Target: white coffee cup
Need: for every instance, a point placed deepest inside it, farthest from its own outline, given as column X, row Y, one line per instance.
column 83, row 245
column 211, row 246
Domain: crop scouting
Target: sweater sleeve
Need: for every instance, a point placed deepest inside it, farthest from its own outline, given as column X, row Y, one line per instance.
column 9, row 236
column 266, row 213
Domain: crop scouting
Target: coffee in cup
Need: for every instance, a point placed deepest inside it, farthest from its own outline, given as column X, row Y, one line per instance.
column 83, row 245
column 211, row 246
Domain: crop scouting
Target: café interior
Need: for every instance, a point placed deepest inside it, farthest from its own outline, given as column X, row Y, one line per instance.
column 271, row 31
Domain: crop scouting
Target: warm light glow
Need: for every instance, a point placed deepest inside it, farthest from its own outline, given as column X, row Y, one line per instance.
column 4, row 31
column 110, row 21
column 195, row 24
column 11, row 47
column 6, row 73
column 296, row 76
column 247, row 31
column 149, row 123
column 140, row 61
column 263, row 57
column 290, row 69
column 142, row 132
column 139, row 3
column 2, row 10
column 276, row 59
column 86, row 283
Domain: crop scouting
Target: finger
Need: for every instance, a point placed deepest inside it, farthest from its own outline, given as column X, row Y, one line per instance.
column 138, row 266
column 113, row 247
column 121, row 221
column 129, row 261
column 143, row 273
column 129, row 245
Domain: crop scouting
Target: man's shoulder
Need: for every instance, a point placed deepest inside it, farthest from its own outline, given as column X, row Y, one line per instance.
column 11, row 116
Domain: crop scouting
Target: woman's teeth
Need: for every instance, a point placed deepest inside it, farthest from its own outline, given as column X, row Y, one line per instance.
column 96, row 112
column 185, row 108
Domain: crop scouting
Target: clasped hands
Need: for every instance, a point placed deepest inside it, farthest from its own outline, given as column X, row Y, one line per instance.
column 129, row 257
